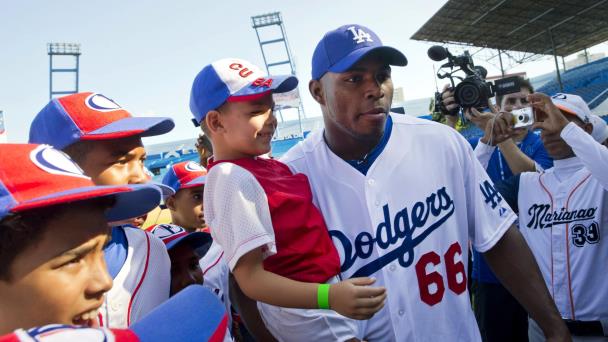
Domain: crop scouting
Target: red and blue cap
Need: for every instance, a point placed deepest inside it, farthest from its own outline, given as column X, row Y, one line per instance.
column 90, row 116
column 185, row 175
column 233, row 79
column 172, row 235
column 193, row 314
column 36, row 176
column 341, row 48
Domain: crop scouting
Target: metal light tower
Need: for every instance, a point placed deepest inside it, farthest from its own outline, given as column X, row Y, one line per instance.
column 63, row 50
column 276, row 52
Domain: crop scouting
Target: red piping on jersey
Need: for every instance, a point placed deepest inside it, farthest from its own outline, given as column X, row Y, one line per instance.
column 141, row 280
column 568, row 246
column 540, row 180
column 100, row 319
column 214, row 263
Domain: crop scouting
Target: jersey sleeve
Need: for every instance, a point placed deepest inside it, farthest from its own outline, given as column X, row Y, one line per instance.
column 591, row 153
column 489, row 216
column 236, row 208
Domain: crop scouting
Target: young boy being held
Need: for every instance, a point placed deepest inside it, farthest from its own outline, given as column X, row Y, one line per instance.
column 53, row 227
column 275, row 239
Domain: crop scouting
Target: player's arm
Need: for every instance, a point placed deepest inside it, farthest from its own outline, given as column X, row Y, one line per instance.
column 514, row 265
column 353, row 298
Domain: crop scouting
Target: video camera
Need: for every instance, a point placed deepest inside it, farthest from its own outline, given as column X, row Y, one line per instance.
column 473, row 90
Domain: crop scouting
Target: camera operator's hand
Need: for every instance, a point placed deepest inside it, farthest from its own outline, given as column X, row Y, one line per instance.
column 480, row 119
column 448, row 101
column 548, row 117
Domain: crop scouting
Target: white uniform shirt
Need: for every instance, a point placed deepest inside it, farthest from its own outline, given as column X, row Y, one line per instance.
column 564, row 218
column 408, row 223
column 142, row 283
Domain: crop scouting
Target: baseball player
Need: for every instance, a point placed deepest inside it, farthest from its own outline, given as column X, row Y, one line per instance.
column 563, row 215
column 275, row 240
column 183, row 249
column 105, row 140
column 53, row 227
column 402, row 198
column 195, row 315
column 187, row 179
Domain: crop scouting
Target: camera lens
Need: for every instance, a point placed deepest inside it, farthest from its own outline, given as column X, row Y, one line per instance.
column 467, row 94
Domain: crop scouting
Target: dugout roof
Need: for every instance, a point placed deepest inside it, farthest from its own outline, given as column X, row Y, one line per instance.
column 520, row 25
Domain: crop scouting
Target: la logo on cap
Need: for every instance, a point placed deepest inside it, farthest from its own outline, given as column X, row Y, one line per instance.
column 101, row 103
column 359, row 35
column 55, row 162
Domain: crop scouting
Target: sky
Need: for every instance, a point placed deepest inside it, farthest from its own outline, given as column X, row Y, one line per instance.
column 145, row 54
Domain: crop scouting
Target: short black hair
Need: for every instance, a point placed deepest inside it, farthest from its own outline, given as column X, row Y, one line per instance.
column 19, row 231
column 524, row 84
column 79, row 150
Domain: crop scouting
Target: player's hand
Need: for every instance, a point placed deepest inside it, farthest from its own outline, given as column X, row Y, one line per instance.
column 355, row 298
column 548, row 117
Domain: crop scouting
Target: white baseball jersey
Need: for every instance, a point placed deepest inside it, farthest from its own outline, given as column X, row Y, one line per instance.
column 215, row 274
column 563, row 215
column 142, row 283
column 408, row 223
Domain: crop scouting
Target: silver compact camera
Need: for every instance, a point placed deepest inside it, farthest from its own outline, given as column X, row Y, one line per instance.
column 523, row 117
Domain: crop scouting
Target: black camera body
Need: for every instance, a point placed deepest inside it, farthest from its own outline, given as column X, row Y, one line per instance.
column 473, row 91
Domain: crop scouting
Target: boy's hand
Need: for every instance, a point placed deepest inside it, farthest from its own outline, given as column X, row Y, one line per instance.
column 548, row 117
column 354, row 298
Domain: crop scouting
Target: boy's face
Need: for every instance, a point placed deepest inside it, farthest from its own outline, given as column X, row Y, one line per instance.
column 116, row 162
column 62, row 278
column 187, row 208
column 248, row 126
column 185, row 269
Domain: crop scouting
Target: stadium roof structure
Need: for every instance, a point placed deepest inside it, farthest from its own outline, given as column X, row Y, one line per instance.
column 520, row 25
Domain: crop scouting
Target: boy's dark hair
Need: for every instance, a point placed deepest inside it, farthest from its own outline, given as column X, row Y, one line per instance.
column 524, row 84
column 79, row 150
column 19, row 231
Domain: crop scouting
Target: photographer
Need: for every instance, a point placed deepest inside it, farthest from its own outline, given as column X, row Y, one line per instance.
column 563, row 215
column 503, row 151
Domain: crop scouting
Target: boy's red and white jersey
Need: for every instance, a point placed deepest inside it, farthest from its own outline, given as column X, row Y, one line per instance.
column 142, row 283
column 253, row 203
column 408, row 222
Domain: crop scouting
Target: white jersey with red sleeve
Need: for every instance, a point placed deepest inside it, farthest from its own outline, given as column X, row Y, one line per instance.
column 142, row 283
column 408, row 222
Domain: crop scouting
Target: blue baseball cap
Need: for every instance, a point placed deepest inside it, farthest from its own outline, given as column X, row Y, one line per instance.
column 171, row 235
column 341, row 48
column 233, row 79
column 184, row 175
column 90, row 116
